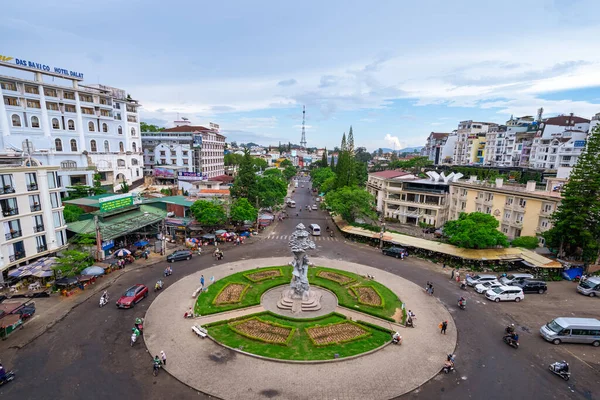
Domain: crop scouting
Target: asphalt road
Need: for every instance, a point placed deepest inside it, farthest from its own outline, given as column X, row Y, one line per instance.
column 87, row 355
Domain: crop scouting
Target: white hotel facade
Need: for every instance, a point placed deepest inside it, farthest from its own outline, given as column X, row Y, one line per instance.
column 79, row 128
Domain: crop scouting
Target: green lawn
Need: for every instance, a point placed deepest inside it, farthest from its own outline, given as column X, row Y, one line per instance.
column 300, row 346
column 205, row 306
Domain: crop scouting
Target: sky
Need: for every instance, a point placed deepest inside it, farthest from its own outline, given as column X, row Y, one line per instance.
column 394, row 71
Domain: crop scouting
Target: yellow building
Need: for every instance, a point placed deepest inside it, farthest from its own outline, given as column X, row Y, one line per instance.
column 521, row 210
column 475, row 149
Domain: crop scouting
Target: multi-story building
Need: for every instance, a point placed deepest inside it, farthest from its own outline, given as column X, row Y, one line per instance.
column 521, row 210
column 80, row 128
column 470, row 136
column 32, row 212
column 435, row 144
column 447, row 152
column 193, row 148
column 377, row 184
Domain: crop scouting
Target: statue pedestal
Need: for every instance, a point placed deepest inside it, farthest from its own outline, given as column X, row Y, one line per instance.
column 289, row 300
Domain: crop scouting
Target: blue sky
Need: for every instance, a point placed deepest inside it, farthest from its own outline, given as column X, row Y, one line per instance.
column 393, row 70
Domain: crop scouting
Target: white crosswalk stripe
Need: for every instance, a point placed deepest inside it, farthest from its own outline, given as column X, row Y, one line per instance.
column 314, row 238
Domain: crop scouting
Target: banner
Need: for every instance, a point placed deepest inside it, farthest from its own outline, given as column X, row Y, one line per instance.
column 191, row 176
column 164, row 173
column 111, row 203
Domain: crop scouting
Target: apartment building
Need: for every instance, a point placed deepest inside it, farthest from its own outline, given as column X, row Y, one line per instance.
column 521, row 210
column 377, row 184
column 470, row 142
column 434, row 146
column 32, row 212
column 81, row 129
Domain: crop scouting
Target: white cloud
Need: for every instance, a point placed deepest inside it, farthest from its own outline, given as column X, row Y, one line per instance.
column 394, row 142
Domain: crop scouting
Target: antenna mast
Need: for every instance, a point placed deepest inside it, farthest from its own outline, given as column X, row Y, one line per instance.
column 303, row 139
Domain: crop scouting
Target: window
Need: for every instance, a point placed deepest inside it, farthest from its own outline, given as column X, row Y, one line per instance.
column 11, row 101
column 131, row 118
column 91, row 126
column 117, row 106
column 35, row 122
column 12, row 229
column 185, row 153
column 34, row 203
column 185, row 161
column 118, row 116
column 134, row 147
column 121, row 147
column 88, row 111
column 9, row 207
column 104, row 127
column 6, row 184
column 71, row 125
column 132, row 131
column 57, row 219
column 52, row 180
column 86, row 97
column 68, row 164
column 162, row 153
column 31, row 181
column 173, row 161
column 60, row 237
column 130, row 108
column 104, row 101
column 173, row 153
column 93, row 146
column 50, row 92
column 70, row 108
column 31, row 89
column 522, row 202
column 134, row 161
column 120, row 130
column 106, row 147
column 33, row 104
column 105, row 113
column 38, row 223
column 120, row 162
column 73, row 145
column 16, row 120
column 55, row 123
column 55, row 200
column 8, row 86
column 40, row 241
column 52, row 106
column 69, row 95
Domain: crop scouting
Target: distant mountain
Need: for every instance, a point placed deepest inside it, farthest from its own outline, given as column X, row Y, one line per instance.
column 406, row 150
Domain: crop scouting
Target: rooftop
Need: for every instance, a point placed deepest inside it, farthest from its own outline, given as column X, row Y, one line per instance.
column 565, row 120
column 388, row 174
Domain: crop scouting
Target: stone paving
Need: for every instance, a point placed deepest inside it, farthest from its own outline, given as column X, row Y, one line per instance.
column 220, row 372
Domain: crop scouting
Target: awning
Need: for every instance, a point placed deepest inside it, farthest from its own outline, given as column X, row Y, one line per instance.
column 10, row 320
column 208, row 236
column 141, row 243
column 67, row 281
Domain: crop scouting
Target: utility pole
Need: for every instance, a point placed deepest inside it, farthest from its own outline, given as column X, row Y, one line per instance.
column 163, row 236
column 382, row 231
column 98, row 239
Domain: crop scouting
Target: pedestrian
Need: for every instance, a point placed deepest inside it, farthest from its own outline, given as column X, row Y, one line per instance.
column 444, row 265
column 163, row 357
column 452, row 275
column 457, row 276
column 427, row 287
column 431, row 291
column 444, row 326
column 202, row 281
column 402, row 256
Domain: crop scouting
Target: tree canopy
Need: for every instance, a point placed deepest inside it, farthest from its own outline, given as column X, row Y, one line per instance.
column 320, row 175
column 72, row 213
column 475, row 231
column 527, row 242
column 242, row 210
column 71, row 262
column 232, row 159
column 289, row 172
column 144, row 127
column 324, row 159
column 271, row 191
column 351, row 203
column 259, row 163
column 286, row 163
column 244, row 185
column 276, row 172
column 78, row 191
column 209, row 213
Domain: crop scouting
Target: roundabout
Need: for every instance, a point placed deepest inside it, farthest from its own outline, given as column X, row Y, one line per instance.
column 341, row 351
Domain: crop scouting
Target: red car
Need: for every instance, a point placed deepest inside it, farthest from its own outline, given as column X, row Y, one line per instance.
column 132, row 296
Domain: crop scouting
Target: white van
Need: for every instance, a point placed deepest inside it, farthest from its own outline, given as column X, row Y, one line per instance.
column 315, row 229
column 513, row 278
column 505, row 293
column 590, row 287
column 291, row 204
column 572, row 330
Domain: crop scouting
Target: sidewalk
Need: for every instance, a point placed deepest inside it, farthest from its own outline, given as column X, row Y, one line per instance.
column 57, row 307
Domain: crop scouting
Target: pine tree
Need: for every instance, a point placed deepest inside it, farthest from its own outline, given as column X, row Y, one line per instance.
column 344, row 145
column 577, row 220
column 351, row 142
column 324, row 159
column 245, row 184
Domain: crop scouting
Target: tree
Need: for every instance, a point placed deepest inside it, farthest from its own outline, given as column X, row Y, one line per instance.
column 242, row 210
column 351, row 203
column 289, row 172
column 71, row 263
column 351, row 142
column 324, row 158
column 234, row 144
column 475, row 231
column 97, row 189
column 345, row 170
column 209, row 213
column 380, row 152
column 576, row 222
column 527, row 242
column 361, row 173
column 275, row 172
column 328, row 185
column 320, row 175
column 83, row 239
column 362, row 155
column 271, row 190
column 232, row 159
column 72, row 213
column 124, row 186
column 244, row 185
column 289, row 148
column 285, row 163
column 259, row 164
column 78, row 191
column 144, row 127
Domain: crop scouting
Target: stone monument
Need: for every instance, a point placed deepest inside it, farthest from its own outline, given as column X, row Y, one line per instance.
column 299, row 297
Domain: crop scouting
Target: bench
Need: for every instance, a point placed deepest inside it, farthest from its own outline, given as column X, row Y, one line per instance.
column 200, row 331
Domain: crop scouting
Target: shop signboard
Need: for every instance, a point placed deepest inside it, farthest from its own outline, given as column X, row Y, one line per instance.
column 191, row 176
column 108, row 244
column 111, row 203
column 164, row 173
column 197, row 141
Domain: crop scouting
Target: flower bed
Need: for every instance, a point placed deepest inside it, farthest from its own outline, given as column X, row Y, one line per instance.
column 269, row 332
column 263, row 274
column 341, row 332
column 368, row 295
column 231, row 293
column 336, row 277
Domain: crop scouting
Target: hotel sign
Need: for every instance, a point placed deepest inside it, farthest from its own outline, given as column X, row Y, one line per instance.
column 42, row 67
column 191, row 176
column 111, row 203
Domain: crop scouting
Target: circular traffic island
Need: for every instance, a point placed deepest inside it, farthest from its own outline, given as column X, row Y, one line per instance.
column 256, row 347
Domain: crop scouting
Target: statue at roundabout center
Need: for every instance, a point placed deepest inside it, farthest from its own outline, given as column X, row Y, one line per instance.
column 299, row 297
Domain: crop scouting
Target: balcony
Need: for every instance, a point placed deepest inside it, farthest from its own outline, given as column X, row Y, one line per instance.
column 13, row 234
column 41, row 249
column 7, row 189
column 36, row 207
column 17, row 256
column 32, row 186
column 38, row 228
column 10, row 211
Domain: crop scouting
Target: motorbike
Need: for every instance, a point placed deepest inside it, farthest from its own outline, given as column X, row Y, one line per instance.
column 449, row 364
column 462, row 305
column 463, row 286
column 410, row 322
column 156, row 367
column 103, row 300
column 10, row 375
column 511, row 342
column 561, row 369
column 139, row 324
column 158, row 286
column 168, row 272
column 397, row 339
column 133, row 339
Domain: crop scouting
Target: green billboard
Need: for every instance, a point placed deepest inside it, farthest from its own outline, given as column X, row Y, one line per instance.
column 112, row 203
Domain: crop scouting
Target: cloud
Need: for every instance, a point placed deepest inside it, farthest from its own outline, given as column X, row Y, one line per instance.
column 327, row 81
column 394, row 142
column 257, row 122
column 222, row 109
column 287, row 82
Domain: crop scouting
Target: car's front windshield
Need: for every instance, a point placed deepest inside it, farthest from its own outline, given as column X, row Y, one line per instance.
column 587, row 284
column 497, row 290
column 554, row 327
column 476, row 277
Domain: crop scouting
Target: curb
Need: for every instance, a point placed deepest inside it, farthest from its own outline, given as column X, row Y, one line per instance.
column 77, row 304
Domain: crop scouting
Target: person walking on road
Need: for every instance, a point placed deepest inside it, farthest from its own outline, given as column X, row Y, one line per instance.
column 444, row 326
column 202, row 281
column 163, row 357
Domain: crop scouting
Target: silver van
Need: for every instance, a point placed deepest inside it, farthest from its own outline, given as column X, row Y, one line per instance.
column 590, row 287
column 513, row 278
column 572, row 330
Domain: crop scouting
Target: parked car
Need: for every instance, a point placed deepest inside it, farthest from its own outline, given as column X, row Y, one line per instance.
column 529, row 286
column 590, row 286
column 394, row 251
column 314, row 207
column 483, row 287
column 26, row 311
column 179, row 255
column 505, row 293
column 572, row 330
column 475, row 279
column 429, row 230
column 132, row 296
column 513, row 278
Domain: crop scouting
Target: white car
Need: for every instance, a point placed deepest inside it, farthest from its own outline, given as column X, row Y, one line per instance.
column 314, row 207
column 483, row 287
column 505, row 293
column 475, row 279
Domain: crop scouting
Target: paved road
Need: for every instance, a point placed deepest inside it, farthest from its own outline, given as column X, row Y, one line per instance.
column 87, row 355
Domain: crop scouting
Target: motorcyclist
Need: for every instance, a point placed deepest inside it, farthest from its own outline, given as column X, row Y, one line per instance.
column 135, row 331
column 463, row 284
column 159, row 285
column 462, row 302
column 156, row 363
column 562, row 366
column 2, row 372
column 510, row 329
column 104, row 297
column 396, row 338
